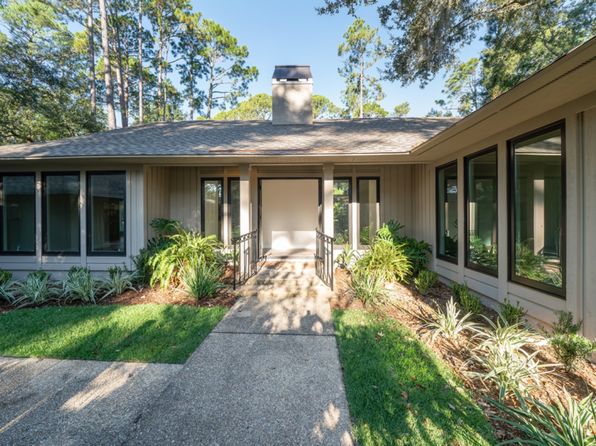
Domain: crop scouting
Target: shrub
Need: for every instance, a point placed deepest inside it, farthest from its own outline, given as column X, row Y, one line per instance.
column 119, row 280
column 35, row 290
column 449, row 324
column 569, row 423
column 468, row 301
column 512, row 314
column 385, row 261
column 347, row 258
column 79, row 284
column 183, row 250
column 367, row 287
column 503, row 356
column 7, row 286
column 565, row 324
column 571, row 348
column 417, row 251
column 202, row 281
column 425, row 280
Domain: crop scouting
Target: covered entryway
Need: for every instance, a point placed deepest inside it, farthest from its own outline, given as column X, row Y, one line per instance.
column 289, row 213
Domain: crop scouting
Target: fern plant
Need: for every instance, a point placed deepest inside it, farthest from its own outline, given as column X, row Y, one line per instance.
column 79, row 284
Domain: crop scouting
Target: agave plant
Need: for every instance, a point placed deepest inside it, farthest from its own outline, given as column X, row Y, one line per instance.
column 566, row 422
column 37, row 289
column 449, row 324
column 79, row 284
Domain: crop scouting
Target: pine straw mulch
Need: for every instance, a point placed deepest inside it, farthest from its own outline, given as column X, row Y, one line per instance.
column 407, row 306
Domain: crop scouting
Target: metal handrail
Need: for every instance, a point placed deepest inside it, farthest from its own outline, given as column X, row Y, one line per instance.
column 246, row 257
column 324, row 262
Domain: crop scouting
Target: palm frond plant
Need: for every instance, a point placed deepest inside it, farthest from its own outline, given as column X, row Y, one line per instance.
column 203, row 280
column 80, row 285
column 564, row 423
column 118, row 281
column 36, row 289
column 450, row 323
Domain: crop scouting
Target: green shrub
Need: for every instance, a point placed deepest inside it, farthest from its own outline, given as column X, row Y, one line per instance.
column 559, row 424
column 512, row 314
column 369, row 288
column 425, row 280
column 449, row 324
column 468, row 301
column 417, row 251
column 37, row 289
column 183, row 250
column 347, row 258
column 565, row 324
column 386, row 261
column 571, row 348
column 79, row 284
column 203, row 281
column 119, row 280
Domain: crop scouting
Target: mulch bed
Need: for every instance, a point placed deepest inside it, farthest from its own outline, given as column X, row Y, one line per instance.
column 407, row 306
column 225, row 298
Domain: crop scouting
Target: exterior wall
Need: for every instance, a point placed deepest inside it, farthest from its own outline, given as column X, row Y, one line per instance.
column 58, row 264
column 580, row 158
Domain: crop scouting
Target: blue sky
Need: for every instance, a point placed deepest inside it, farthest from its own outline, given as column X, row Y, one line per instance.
column 291, row 32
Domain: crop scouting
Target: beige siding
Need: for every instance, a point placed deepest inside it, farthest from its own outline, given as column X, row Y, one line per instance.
column 157, row 195
column 422, row 203
column 185, row 196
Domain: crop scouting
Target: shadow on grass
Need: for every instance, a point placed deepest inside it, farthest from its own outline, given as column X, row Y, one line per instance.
column 398, row 392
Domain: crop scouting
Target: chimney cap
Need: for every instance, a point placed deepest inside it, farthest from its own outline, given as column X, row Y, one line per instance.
column 292, row 72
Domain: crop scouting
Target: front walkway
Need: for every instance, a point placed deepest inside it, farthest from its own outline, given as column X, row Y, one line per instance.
column 268, row 374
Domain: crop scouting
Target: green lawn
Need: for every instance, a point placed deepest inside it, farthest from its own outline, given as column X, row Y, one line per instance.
column 399, row 393
column 145, row 333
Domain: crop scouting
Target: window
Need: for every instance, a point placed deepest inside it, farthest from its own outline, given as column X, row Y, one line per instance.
column 368, row 201
column 537, row 188
column 106, row 217
column 234, row 206
column 342, row 196
column 447, row 212
column 211, row 206
column 60, row 209
column 17, row 206
column 481, row 211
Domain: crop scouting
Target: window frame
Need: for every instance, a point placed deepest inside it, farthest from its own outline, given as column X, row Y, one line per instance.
column 350, row 190
column 44, row 214
column 438, row 255
column 88, row 225
column 220, row 206
column 467, row 263
column 512, row 277
column 229, row 203
column 18, row 253
column 378, row 198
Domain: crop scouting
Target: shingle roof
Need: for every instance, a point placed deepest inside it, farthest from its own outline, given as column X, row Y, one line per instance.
column 292, row 72
column 234, row 138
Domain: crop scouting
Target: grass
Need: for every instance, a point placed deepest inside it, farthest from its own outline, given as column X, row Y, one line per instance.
column 399, row 393
column 143, row 333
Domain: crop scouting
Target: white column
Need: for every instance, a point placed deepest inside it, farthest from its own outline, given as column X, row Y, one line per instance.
column 245, row 171
column 328, row 199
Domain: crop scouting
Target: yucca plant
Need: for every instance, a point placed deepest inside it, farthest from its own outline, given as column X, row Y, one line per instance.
column 368, row 287
column 79, row 284
column 36, row 289
column 449, row 324
column 203, row 281
column 119, row 280
column 565, row 423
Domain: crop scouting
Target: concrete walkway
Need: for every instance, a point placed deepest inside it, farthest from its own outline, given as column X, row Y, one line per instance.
column 268, row 374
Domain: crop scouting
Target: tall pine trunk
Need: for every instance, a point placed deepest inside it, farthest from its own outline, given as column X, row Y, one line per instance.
column 105, row 43
column 91, row 58
column 361, row 89
column 140, row 56
column 122, row 96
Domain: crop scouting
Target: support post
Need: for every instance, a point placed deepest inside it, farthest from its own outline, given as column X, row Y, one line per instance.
column 328, row 200
column 245, row 170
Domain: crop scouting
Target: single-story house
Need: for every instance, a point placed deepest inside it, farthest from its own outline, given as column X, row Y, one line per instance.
column 506, row 196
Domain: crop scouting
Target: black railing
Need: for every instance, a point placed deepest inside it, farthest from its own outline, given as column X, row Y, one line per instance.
column 324, row 258
column 246, row 257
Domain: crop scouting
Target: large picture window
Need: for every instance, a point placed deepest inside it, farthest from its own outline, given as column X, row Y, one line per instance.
column 17, row 206
column 538, row 209
column 342, row 190
column 60, row 203
column 234, row 206
column 106, row 213
column 481, row 211
column 447, row 212
column 211, row 206
column 368, row 204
